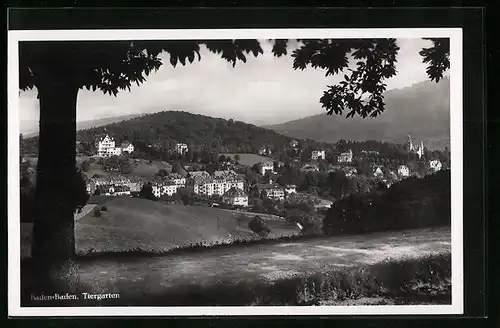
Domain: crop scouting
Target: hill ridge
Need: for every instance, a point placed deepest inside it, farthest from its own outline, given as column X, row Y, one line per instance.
column 421, row 110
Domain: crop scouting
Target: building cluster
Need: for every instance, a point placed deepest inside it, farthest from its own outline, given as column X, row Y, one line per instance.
column 435, row 165
column 106, row 147
column 264, row 151
column 266, row 167
column 345, row 157
column 318, row 155
column 113, row 185
column 227, row 184
column 181, row 148
column 414, row 149
column 310, row 167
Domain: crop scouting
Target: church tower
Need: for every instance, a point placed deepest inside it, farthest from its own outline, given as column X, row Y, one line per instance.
column 420, row 151
column 410, row 144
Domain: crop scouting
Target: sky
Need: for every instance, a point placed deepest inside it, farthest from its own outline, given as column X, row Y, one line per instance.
column 264, row 90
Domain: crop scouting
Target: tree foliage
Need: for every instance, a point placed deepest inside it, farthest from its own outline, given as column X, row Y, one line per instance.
column 171, row 127
column 58, row 69
column 437, row 58
column 259, row 226
column 411, row 203
column 111, row 66
column 147, row 192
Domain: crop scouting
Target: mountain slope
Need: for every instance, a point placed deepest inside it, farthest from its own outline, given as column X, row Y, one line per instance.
column 421, row 110
column 104, row 121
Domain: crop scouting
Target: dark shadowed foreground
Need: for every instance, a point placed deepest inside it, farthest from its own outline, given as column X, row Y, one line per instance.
column 412, row 266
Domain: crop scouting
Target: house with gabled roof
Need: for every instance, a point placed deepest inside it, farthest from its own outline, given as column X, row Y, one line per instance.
column 235, row 197
column 127, row 147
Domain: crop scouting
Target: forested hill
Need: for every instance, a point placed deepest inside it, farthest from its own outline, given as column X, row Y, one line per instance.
column 164, row 129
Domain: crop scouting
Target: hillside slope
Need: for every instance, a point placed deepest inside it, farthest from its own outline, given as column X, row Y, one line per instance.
column 421, row 110
column 165, row 129
column 133, row 223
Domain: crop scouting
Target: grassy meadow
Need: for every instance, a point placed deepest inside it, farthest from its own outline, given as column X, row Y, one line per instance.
column 410, row 267
column 140, row 224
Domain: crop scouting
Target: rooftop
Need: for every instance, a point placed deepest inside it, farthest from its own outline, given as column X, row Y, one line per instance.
column 235, row 192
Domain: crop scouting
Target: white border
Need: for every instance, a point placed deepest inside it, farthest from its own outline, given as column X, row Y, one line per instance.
column 456, row 148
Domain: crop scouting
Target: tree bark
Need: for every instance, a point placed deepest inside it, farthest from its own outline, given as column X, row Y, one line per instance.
column 53, row 231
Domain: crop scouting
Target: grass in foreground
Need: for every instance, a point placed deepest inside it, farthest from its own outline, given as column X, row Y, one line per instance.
column 426, row 280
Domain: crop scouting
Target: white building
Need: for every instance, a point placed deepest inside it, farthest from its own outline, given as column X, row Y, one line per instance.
column 177, row 179
column 290, row 189
column 345, row 157
column 267, row 166
column 413, row 149
column 378, row 172
column 420, row 151
column 121, row 190
column 127, row 147
column 199, row 174
column 181, row 148
column 318, row 154
column 106, row 147
column 264, row 150
column 275, row 192
column 226, row 174
column 403, row 171
column 435, row 165
column 236, row 197
column 165, row 188
column 349, row 171
column 113, row 190
column 294, row 144
column 209, row 186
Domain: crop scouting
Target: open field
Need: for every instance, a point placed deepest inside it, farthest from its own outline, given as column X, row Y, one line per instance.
column 249, row 159
column 133, row 223
column 139, row 224
column 143, row 168
column 140, row 167
column 388, row 264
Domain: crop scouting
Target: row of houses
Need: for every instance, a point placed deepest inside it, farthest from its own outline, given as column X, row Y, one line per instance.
column 227, row 184
column 403, row 171
column 345, row 157
column 277, row 192
column 113, row 185
column 106, row 147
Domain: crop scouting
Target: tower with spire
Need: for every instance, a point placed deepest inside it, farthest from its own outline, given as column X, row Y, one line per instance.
column 420, row 151
column 410, row 144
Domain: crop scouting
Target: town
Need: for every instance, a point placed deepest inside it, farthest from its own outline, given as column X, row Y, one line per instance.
column 221, row 185
column 234, row 185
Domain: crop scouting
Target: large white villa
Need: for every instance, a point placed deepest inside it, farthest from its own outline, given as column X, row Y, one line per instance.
column 106, row 147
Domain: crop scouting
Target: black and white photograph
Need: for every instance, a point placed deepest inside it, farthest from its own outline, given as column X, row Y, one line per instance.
column 235, row 172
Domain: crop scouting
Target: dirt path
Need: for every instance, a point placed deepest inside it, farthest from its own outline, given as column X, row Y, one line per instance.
column 259, row 262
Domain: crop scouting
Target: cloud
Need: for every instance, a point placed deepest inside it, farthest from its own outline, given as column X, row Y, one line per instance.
column 263, row 90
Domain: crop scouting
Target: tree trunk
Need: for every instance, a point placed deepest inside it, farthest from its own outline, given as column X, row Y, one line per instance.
column 53, row 232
